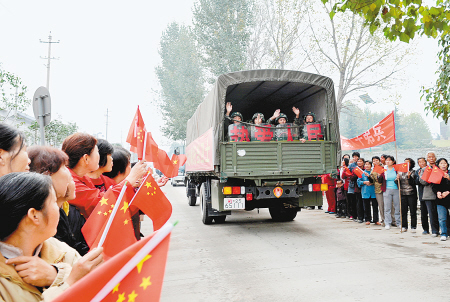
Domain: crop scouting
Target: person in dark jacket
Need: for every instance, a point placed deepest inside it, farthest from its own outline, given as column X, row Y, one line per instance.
column 359, row 202
column 422, row 162
column 442, row 191
column 51, row 161
column 429, row 197
column 408, row 194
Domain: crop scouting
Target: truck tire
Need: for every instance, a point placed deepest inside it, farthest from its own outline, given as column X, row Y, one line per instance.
column 192, row 200
column 283, row 214
column 205, row 204
column 220, row 219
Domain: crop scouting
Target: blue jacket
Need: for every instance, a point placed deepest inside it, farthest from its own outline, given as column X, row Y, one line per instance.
column 366, row 191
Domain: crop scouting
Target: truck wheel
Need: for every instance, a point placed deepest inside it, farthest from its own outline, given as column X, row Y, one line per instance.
column 205, row 203
column 283, row 214
column 192, row 200
column 220, row 219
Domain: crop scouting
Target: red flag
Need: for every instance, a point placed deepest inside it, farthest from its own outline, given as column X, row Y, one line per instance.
column 177, row 162
column 426, row 173
column 151, row 150
column 163, row 163
column 143, row 283
column 383, row 132
column 402, row 167
column 153, row 202
column 136, row 134
column 378, row 169
column 358, row 172
column 436, row 175
column 97, row 220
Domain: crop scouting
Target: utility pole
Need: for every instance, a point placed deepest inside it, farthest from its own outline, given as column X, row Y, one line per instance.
column 107, row 116
column 49, row 57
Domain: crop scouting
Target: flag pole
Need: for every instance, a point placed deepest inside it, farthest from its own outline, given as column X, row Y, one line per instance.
column 399, row 194
column 159, row 236
column 145, row 145
column 116, row 207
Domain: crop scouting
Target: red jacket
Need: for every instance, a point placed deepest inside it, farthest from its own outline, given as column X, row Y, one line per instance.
column 87, row 195
column 346, row 177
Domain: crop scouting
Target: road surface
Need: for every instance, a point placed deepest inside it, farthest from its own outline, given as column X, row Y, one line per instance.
column 316, row 257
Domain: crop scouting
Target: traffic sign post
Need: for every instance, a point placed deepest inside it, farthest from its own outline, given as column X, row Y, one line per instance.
column 42, row 110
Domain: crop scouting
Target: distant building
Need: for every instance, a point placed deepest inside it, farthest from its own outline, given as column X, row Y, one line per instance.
column 20, row 119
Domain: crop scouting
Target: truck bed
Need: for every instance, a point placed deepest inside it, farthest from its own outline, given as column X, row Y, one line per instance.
column 286, row 159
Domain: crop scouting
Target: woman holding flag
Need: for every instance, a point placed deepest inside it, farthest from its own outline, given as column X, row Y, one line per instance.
column 390, row 196
column 408, row 193
column 442, row 191
column 368, row 194
column 84, row 158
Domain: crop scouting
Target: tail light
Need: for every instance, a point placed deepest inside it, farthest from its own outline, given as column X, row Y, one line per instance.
column 317, row 187
column 233, row 190
column 249, row 196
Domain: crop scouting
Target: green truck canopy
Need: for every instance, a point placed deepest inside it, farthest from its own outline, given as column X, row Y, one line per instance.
column 265, row 91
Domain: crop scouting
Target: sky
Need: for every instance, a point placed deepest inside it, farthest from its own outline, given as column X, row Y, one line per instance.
column 107, row 56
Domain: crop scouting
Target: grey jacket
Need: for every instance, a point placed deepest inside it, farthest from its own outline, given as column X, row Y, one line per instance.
column 428, row 193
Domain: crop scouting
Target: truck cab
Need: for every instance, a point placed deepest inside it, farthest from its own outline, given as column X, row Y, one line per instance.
column 244, row 166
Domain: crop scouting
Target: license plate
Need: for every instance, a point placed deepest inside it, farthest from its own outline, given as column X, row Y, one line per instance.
column 234, row 203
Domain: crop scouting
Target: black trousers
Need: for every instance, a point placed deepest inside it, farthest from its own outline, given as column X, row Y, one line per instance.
column 424, row 216
column 359, row 206
column 409, row 201
column 432, row 212
column 351, row 205
column 370, row 205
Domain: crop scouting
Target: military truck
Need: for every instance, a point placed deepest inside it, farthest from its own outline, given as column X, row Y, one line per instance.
column 281, row 175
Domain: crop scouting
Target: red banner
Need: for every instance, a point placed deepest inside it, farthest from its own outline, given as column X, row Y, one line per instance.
column 382, row 133
column 200, row 153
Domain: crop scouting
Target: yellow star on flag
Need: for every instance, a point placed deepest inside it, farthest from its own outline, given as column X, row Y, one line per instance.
column 99, row 212
column 112, row 206
column 132, row 296
column 141, row 263
column 121, row 297
column 175, row 162
column 109, row 211
column 148, row 184
column 125, row 221
column 103, row 201
column 145, row 283
column 125, row 206
column 106, row 213
column 116, row 288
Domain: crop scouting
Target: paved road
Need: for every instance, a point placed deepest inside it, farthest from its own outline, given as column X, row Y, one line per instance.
column 316, row 257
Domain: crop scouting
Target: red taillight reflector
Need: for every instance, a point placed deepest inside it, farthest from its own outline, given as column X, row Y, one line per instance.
column 236, row 190
column 316, row 187
column 249, row 196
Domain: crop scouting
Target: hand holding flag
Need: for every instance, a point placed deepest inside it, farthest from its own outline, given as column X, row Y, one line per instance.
column 358, row 171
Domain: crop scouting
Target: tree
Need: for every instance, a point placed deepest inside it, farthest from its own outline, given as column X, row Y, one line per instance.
column 283, row 22
column 222, row 31
column 13, row 98
column 344, row 46
column 181, row 79
column 55, row 132
column 403, row 20
column 258, row 49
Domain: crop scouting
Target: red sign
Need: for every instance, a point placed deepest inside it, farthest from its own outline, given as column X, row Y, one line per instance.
column 380, row 134
column 200, row 153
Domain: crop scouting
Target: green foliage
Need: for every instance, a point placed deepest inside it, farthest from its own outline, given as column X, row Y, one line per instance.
column 437, row 98
column 181, row 79
column 401, row 19
column 55, row 132
column 12, row 95
column 411, row 129
column 222, row 31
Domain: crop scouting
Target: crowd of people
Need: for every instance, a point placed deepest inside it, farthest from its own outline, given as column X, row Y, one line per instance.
column 374, row 192
column 46, row 195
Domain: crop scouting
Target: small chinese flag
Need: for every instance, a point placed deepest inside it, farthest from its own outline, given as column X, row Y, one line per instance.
column 95, row 223
column 163, row 163
column 402, row 167
column 120, row 234
column 378, row 169
column 153, row 202
column 136, row 135
column 436, row 175
column 151, row 150
column 426, row 173
column 358, row 172
column 177, row 162
column 139, row 279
